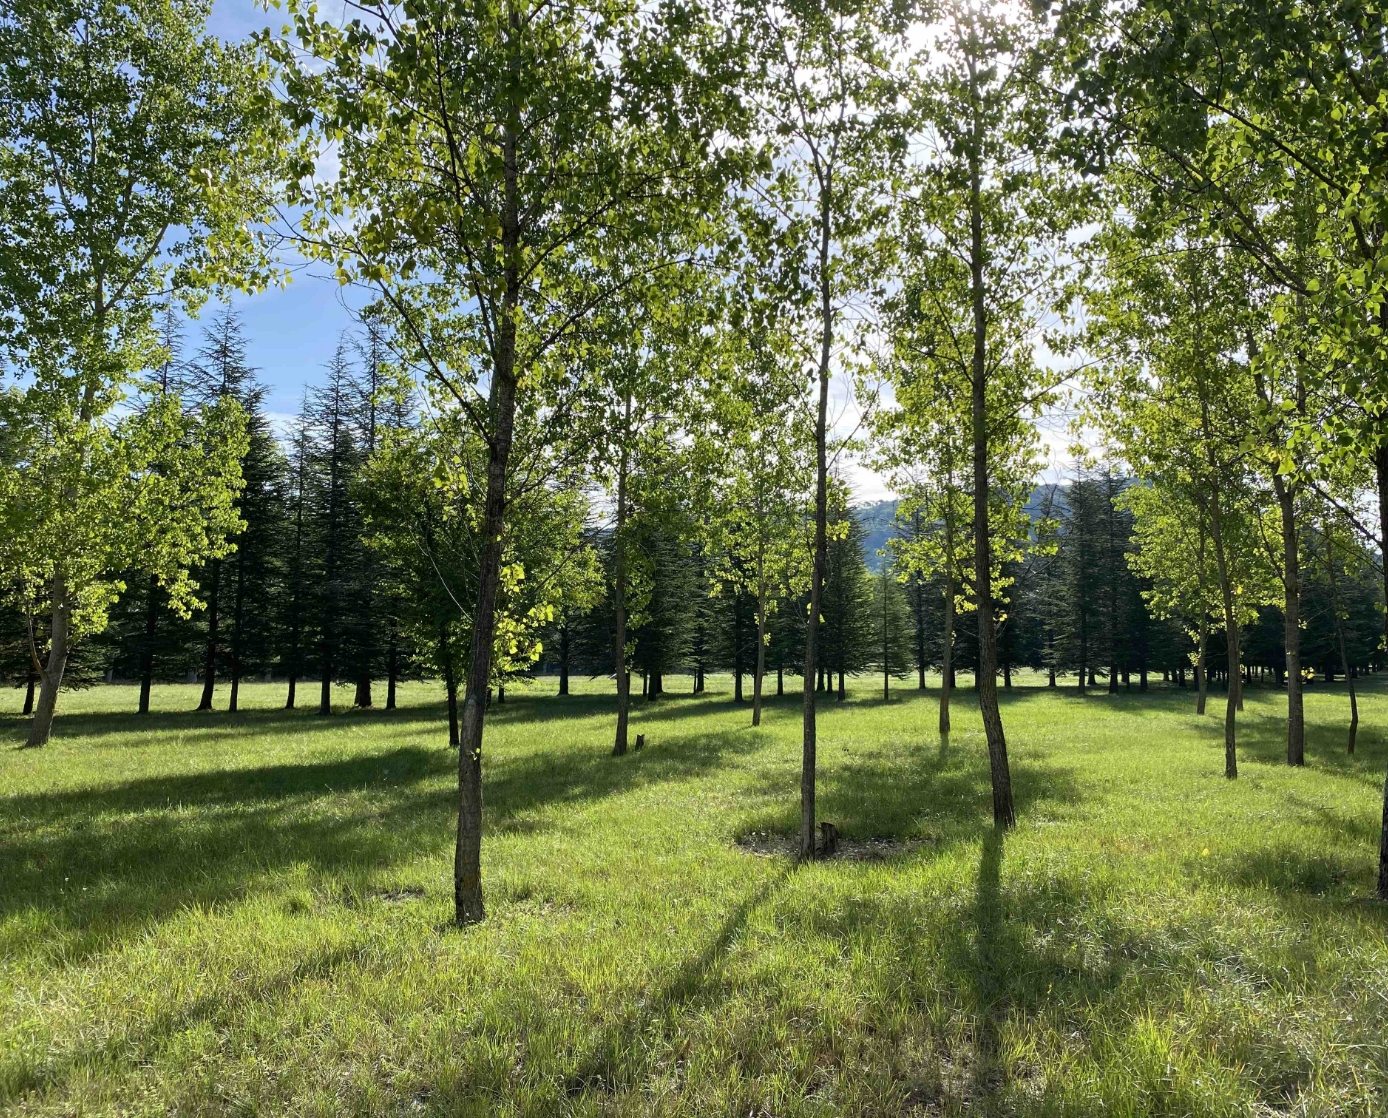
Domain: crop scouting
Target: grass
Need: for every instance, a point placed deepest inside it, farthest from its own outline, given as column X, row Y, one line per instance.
column 248, row 914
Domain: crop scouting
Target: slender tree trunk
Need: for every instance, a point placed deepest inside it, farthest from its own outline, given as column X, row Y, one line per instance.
column 450, row 684
column 1291, row 611
column 1081, row 675
column 237, row 616
column 147, row 650
column 821, row 518
column 780, row 680
column 29, row 692
column 1381, row 476
column 1231, row 629
column 1004, row 815
column 209, row 667
column 947, row 648
column 393, row 663
column 52, row 678
column 619, row 746
column 760, row 670
column 467, row 864
column 564, row 660
column 1202, row 676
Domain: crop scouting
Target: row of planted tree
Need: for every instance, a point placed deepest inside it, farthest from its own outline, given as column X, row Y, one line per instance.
column 613, row 259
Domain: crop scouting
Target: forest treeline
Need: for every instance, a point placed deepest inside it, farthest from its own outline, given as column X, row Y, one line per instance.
column 609, row 260
column 314, row 591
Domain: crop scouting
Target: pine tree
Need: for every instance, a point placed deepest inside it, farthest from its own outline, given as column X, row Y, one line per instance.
column 847, row 602
column 219, row 370
column 892, row 637
column 335, row 457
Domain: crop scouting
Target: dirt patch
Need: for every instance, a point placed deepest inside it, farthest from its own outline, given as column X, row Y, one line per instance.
column 398, row 895
column 877, row 848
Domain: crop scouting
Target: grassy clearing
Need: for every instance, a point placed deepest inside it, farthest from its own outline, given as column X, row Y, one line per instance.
column 246, row 914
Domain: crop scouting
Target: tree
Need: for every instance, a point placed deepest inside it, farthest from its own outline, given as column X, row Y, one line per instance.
column 92, row 235
column 220, row 371
column 549, row 149
column 848, row 615
column 821, row 82
column 756, row 441
column 891, row 626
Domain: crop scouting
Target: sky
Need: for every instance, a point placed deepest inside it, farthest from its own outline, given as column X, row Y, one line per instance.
column 292, row 332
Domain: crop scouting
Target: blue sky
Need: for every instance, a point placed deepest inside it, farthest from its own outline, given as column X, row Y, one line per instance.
column 291, row 332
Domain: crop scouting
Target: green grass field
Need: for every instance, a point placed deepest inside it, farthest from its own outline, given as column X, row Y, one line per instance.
column 248, row 914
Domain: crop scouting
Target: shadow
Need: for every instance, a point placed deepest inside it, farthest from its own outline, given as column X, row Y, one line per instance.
column 1291, row 871
column 619, row 1060
column 209, row 725
column 99, row 865
column 538, row 708
column 944, row 796
column 990, row 991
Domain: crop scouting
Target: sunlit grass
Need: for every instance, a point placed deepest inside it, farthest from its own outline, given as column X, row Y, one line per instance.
column 248, row 914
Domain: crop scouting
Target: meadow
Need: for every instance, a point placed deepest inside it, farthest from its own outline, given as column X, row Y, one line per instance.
column 247, row 914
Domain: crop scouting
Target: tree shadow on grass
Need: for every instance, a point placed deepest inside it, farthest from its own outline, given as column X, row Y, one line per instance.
column 93, row 867
column 218, row 724
column 1262, row 739
column 940, row 794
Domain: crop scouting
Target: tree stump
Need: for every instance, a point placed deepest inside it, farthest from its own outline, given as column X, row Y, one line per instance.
column 828, row 840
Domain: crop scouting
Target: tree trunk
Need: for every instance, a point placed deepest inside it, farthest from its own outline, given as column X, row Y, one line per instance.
column 450, row 685
column 363, row 696
column 619, row 746
column 209, row 667
column 947, row 649
column 52, row 677
column 147, row 650
column 780, row 680
column 760, row 669
column 1004, row 815
column 821, row 518
column 1381, row 475
column 564, row 660
column 843, row 691
column 238, row 610
column 467, row 863
column 1231, row 630
column 393, row 664
column 1202, row 675
column 1291, row 611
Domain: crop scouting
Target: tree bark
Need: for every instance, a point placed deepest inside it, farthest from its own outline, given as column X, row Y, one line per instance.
column 1004, row 815
column 947, row 648
column 821, row 519
column 209, row 667
column 393, row 663
column 52, row 678
column 450, row 685
column 759, row 671
column 467, row 863
column 619, row 746
column 29, row 692
column 238, row 610
column 1231, row 630
column 147, row 650
column 1381, row 475
column 563, row 660
column 1291, row 609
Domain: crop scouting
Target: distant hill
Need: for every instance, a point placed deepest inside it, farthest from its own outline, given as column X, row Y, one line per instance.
column 878, row 519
